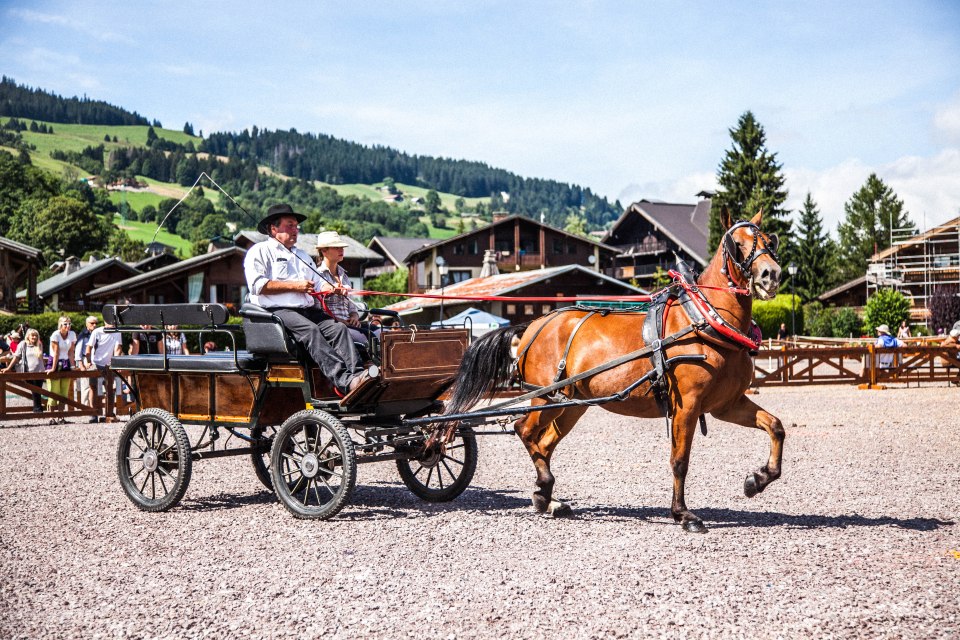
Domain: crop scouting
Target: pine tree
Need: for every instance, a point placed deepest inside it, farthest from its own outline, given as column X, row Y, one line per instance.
column 865, row 230
column 814, row 252
column 750, row 178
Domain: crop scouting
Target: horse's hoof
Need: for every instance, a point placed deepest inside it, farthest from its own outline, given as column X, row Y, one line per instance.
column 540, row 504
column 694, row 526
column 559, row 509
column 750, row 487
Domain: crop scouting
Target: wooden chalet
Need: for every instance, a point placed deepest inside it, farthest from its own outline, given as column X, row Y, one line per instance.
column 19, row 266
column 918, row 265
column 211, row 277
column 70, row 289
column 566, row 281
column 356, row 257
column 849, row 294
column 650, row 232
column 519, row 243
column 394, row 252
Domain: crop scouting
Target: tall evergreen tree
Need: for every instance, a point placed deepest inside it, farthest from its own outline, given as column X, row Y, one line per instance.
column 814, row 252
column 750, row 178
column 871, row 213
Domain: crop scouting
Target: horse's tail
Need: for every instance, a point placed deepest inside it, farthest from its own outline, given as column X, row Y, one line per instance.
column 486, row 366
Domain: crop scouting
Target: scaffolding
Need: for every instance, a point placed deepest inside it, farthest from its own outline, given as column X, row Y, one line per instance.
column 917, row 264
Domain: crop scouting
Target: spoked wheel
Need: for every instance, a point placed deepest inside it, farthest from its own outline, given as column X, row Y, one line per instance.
column 261, row 459
column 440, row 475
column 153, row 460
column 313, row 465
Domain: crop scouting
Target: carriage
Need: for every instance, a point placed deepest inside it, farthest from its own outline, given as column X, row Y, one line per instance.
column 686, row 356
column 304, row 440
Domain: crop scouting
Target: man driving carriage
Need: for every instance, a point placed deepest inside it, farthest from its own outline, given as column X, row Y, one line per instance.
column 281, row 278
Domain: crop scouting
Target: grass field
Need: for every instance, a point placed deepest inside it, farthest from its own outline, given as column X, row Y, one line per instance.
column 144, row 231
column 369, row 191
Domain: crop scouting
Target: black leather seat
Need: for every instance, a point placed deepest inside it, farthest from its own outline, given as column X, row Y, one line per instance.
column 217, row 362
column 265, row 334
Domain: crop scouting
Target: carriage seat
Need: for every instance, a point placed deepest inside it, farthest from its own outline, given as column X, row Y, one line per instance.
column 265, row 334
column 217, row 362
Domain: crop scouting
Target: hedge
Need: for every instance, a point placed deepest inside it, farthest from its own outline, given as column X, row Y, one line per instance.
column 769, row 314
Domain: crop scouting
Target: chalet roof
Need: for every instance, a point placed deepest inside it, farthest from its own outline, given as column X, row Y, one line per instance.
column 685, row 224
column 147, row 263
column 308, row 242
column 506, row 283
column 22, row 249
column 950, row 226
column 846, row 286
column 166, row 272
column 61, row 281
column 510, row 219
column 396, row 250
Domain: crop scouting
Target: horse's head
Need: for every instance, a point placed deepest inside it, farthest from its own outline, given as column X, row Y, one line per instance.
column 750, row 256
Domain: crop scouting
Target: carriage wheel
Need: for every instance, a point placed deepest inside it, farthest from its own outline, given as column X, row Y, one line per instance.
column 313, row 465
column 442, row 475
column 153, row 460
column 261, row 460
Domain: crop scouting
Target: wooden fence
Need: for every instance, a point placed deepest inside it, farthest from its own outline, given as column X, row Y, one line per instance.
column 21, row 384
column 863, row 366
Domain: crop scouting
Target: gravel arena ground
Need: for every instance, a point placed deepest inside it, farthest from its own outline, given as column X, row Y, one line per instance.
column 858, row 539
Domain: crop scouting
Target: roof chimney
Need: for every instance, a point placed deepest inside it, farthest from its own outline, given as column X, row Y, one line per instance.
column 489, row 267
column 499, row 215
column 71, row 265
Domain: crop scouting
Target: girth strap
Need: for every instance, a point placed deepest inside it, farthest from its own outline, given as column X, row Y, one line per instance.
column 562, row 365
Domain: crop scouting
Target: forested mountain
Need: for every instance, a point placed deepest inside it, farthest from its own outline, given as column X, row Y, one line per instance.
column 321, row 157
column 21, row 101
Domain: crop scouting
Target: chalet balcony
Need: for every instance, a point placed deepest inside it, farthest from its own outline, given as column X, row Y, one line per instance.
column 509, row 263
column 647, row 248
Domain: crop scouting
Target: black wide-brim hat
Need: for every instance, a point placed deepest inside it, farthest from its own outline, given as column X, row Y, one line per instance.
column 278, row 211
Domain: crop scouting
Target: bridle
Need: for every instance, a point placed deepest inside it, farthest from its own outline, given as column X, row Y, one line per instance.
column 731, row 249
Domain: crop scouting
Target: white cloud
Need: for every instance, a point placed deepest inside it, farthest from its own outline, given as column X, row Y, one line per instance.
column 947, row 120
column 28, row 15
column 928, row 186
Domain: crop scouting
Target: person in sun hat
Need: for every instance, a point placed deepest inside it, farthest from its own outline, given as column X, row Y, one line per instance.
column 281, row 278
column 886, row 341
column 336, row 281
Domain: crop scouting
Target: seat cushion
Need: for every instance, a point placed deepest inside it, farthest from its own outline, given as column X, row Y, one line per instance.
column 218, row 362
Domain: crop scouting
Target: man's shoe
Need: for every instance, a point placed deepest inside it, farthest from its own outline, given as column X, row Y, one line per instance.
column 369, row 373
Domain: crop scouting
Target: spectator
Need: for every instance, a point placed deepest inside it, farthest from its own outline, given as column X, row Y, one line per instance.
column 782, row 333
column 101, row 348
column 886, row 341
column 84, row 390
column 4, row 347
column 174, row 342
column 13, row 339
column 146, row 342
column 29, row 355
column 954, row 336
column 209, row 346
column 63, row 342
column 904, row 331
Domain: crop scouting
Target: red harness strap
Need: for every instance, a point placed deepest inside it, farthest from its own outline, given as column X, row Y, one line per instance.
column 712, row 317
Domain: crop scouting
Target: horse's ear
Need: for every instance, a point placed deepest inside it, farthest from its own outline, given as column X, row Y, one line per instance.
column 757, row 218
column 726, row 221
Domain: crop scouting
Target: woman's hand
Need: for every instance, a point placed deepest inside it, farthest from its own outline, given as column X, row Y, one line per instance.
column 353, row 320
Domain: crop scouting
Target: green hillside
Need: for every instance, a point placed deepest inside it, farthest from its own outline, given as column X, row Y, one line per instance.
column 77, row 137
column 144, row 231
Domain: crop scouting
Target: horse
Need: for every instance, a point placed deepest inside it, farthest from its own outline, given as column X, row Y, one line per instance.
column 712, row 375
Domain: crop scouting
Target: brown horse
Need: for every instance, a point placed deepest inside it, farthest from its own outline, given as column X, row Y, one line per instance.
column 744, row 263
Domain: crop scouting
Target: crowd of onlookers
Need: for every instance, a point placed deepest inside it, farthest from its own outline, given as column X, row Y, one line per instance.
column 91, row 349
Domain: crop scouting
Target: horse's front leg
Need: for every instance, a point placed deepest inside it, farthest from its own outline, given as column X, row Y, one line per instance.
column 684, row 426
column 746, row 412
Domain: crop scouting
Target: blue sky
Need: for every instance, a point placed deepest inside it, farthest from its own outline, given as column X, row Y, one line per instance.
column 631, row 99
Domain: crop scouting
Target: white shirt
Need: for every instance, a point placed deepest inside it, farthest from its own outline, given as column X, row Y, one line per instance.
column 64, row 343
column 270, row 260
column 102, row 346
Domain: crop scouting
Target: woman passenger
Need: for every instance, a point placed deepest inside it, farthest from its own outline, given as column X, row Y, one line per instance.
column 63, row 341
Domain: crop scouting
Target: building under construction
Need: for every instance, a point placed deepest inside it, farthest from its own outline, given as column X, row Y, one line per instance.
column 917, row 265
